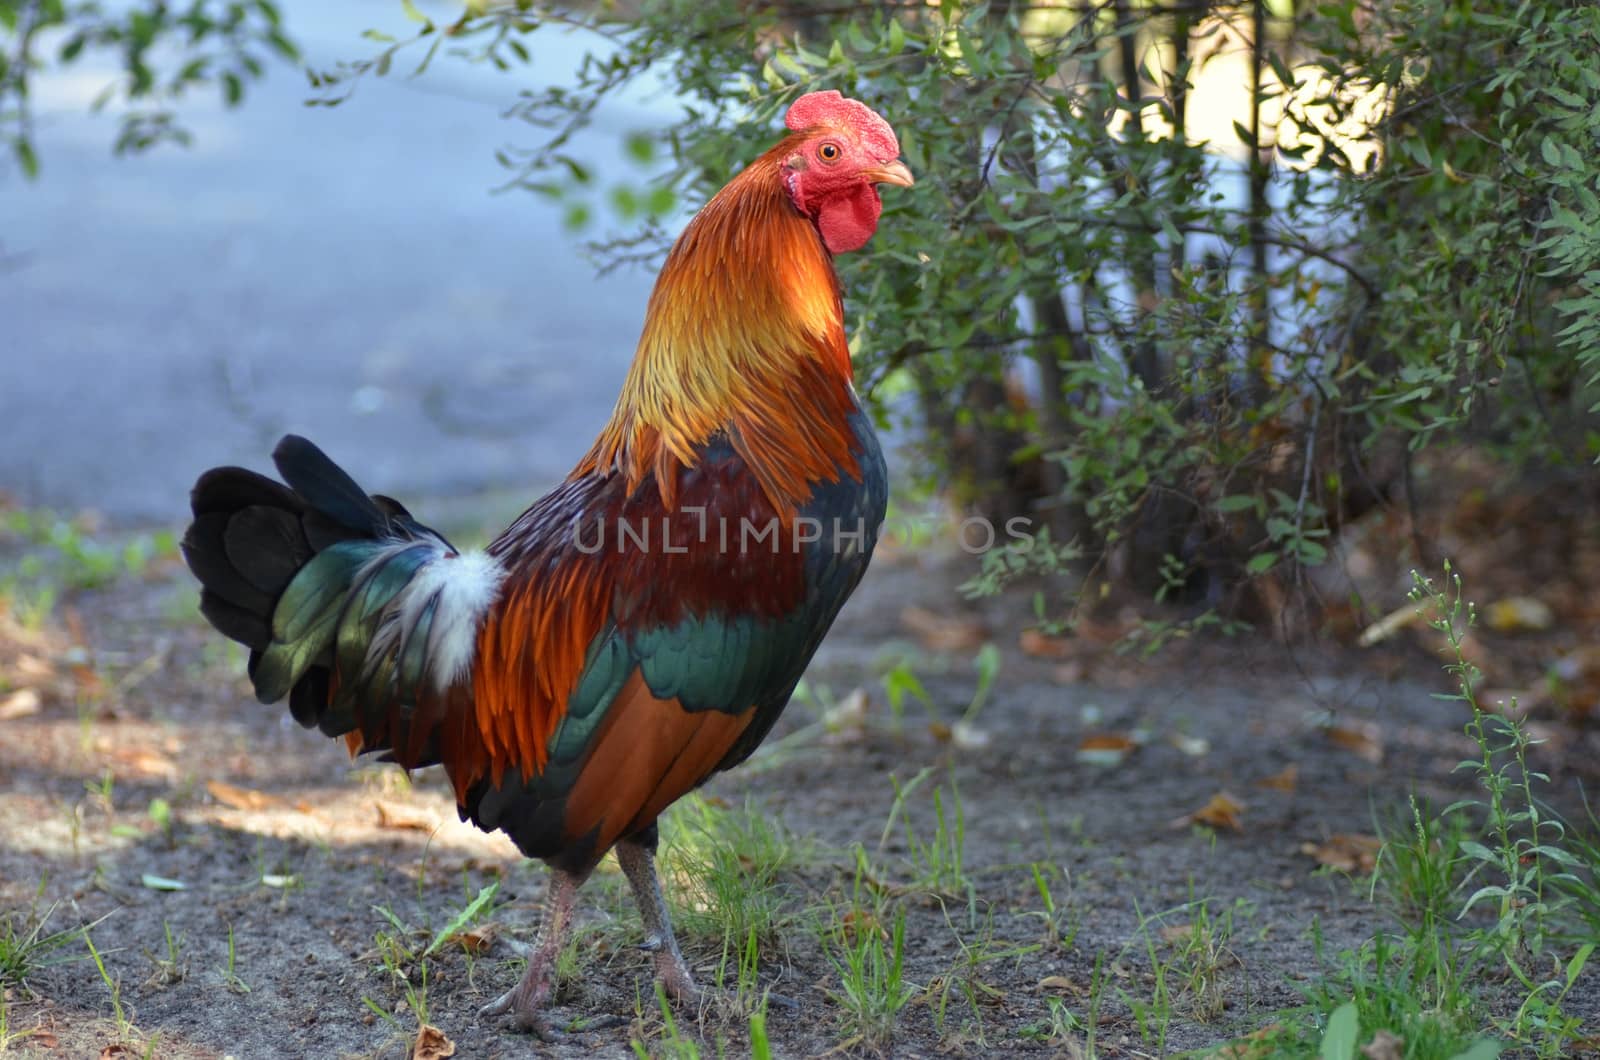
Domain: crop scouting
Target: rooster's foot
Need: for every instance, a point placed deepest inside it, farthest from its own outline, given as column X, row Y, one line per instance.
column 525, row 1001
column 523, row 1006
column 672, row 972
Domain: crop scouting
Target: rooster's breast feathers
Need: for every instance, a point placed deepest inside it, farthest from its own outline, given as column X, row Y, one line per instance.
column 634, row 649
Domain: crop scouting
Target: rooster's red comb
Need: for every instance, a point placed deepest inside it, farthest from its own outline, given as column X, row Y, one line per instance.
column 831, row 108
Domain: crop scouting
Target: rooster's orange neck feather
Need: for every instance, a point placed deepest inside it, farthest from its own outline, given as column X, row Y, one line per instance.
column 744, row 336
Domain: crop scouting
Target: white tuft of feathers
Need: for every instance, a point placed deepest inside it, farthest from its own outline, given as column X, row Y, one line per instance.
column 466, row 585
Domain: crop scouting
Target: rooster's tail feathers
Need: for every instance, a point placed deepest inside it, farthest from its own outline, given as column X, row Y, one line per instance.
column 349, row 606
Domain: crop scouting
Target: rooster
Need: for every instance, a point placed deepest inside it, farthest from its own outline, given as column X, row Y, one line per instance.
column 642, row 626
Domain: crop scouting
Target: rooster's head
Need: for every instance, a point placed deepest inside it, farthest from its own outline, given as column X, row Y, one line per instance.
column 841, row 152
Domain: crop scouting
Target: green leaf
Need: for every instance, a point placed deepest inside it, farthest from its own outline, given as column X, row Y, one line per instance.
column 1311, row 553
column 624, row 201
column 662, row 200
column 1261, row 562
column 473, row 910
column 413, row 14
column 1579, row 959
column 1238, row 502
column 576, row 217
column 1339, row 1041
column 26, row 158
column 640, row 147
column 788, row 64
column 897, row 37
column 1480, row 1050
column 162, row 883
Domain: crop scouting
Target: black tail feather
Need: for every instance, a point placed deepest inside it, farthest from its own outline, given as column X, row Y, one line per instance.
column 326, row 488
column 227, row 489
column 251, row 535
column 255, row 546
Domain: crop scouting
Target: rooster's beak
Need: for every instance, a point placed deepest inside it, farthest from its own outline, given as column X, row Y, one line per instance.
column 891, row 173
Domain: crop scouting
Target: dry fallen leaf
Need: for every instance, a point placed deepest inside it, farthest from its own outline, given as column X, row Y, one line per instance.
column 1357, row 854
column 850, row 713
column 404, row 818
column 1177, row 932
column 477, row 940
column 241, row 798
column 114, row 1051
column 1390, row 624
column 943, row 632
column 1283, row 780
column 43, row 1039
column 432, row 1044
column 1221, row 811
column 1044, row 646
column 1059, row 982
column 1106, row 748
column 1069, row 673
column 857, row 922
column 144, row 762
column 1519, row 614
column 19, row 704
column 32, row 668
column 1363, row 742
column 1109, row 631
column 1384, row 1046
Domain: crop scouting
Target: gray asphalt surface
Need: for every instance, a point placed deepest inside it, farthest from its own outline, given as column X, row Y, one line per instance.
column 343, row 273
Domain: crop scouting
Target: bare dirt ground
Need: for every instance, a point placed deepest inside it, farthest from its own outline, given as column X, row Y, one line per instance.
column 144, row 793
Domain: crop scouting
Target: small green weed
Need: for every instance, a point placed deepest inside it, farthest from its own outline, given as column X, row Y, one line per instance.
column 403, row 950
column 725, row 870
column 119, row 1014
column 937, row 862
column 170, row 968
column 230, row 973
column 26, row 947
column 967, row 977
column 672, row 1044
column 872, row 986
column 901, row 683
column 1061, row 924
column 1492, row 900
column 60, row 555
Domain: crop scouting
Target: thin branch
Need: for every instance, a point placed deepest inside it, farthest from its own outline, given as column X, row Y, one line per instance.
column 1285, row 242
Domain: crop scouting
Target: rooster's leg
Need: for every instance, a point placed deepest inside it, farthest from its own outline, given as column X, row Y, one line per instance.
column 637, row 856
column 525, row 999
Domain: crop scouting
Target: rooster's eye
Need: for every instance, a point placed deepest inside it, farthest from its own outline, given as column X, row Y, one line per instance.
column 828, row 152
